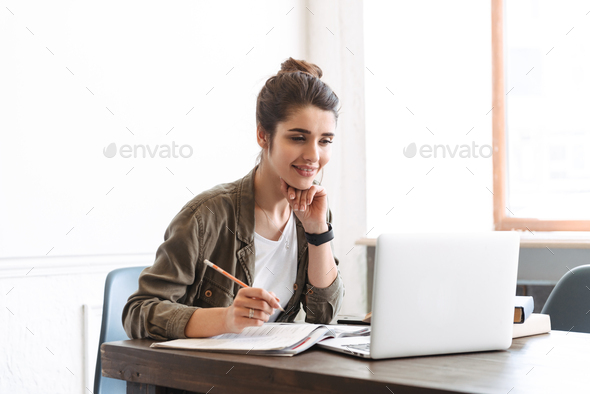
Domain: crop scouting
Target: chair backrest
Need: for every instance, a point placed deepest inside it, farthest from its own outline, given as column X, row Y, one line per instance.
column 119, row 285
column 569, row 302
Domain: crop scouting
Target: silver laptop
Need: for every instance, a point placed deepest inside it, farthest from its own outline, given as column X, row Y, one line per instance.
column 439, row 294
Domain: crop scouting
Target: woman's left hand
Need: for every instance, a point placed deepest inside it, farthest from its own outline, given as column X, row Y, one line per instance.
column 309, row 205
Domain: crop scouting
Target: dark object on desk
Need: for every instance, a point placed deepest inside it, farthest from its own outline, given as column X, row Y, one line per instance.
column 119, row 285
column 569, row 302
column 354, row 319
column 523, row 307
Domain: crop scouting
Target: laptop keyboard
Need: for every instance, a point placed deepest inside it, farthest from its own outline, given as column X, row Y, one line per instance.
column 365, row 347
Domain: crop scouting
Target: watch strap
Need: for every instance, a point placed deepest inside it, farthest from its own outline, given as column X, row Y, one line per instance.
column 319, row 239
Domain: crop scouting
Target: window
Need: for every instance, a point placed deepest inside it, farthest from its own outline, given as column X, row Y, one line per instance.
column 541, row 126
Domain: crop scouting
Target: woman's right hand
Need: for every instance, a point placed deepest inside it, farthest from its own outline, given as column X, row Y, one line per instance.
column 260, row 300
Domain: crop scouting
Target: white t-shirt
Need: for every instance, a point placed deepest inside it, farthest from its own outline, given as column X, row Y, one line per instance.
column 276, row 264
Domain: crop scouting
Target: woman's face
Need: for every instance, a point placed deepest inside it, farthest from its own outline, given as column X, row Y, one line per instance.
column 302, row 146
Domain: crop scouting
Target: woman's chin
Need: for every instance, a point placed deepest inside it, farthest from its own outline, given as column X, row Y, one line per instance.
column 301, row 184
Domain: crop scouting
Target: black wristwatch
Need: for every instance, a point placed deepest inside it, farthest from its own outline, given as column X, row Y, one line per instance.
column 318, row 239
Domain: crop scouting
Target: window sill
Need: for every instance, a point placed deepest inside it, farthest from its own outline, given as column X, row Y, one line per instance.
column 555, row 239
column 539, row 239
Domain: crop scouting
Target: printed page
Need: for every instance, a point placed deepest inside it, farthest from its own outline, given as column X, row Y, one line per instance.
column 343, row 330
column 265, row 337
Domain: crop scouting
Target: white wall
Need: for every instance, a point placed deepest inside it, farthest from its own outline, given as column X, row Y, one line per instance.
column 149, row 65
column 137, row 70
column 428, row 68
column 44, row 347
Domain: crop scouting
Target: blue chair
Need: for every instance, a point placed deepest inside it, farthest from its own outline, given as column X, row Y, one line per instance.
column 569, row 302
column 120, row 284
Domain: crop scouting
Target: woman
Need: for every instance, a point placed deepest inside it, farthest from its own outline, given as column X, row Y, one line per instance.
column 270, row 229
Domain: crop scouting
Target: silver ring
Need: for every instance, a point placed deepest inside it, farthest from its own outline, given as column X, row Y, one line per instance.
column 251, row 313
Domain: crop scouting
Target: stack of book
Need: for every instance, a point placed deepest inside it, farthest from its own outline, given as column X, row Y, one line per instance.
column 525, row 321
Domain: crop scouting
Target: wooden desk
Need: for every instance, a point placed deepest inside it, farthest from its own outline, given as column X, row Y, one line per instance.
column 551, row 363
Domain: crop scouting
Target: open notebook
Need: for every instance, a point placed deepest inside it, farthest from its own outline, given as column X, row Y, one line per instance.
column 271, row 339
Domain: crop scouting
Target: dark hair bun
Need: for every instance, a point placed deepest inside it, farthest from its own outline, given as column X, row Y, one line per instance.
column 291, row 65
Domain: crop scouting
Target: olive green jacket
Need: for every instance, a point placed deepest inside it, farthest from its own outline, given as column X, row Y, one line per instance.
column 218, row 225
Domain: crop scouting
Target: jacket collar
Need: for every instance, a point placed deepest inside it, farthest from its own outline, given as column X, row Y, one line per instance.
column 245, row 225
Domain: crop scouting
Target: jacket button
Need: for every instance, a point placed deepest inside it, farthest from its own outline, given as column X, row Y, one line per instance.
column 208, row 293
column 295, row 286
column 310, row 291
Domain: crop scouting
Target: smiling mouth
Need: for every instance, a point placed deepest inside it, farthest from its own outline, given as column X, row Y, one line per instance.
column 306, row 172
column 306, row 169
